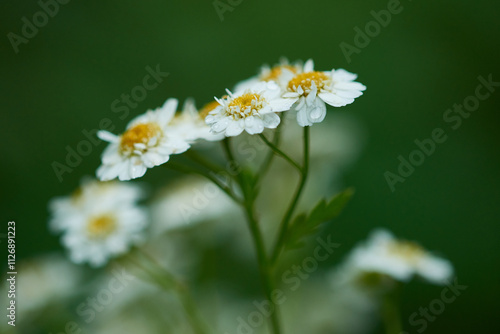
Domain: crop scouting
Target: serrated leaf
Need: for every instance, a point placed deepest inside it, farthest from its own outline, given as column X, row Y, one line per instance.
column 305, row 225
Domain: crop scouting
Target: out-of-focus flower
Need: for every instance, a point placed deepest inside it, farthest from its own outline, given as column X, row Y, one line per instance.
column 281, row 74
column 250, row 110
column 190, row 124
column 99, row 221
column 371, row 272
column 189, row 201
column 43, row 281
column 310, row 90
column 146, row 143
column 65, row 209
column 400, row 260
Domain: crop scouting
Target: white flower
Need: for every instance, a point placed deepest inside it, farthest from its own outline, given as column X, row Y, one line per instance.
column 100, row 221
column 400, row 260
column 146, row 143
column 190, row 124
column 281, row 74
column 310, row 90
column 250, row 110
column 66, row 208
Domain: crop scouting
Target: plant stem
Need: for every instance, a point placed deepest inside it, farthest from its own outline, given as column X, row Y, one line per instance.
column 269, row 158
column 280, row 152
column 390, row 313
column 204, row 162
column 166, row 281
column 262, row 259
column 191, row 170
column 264, row 268
column 288, row 215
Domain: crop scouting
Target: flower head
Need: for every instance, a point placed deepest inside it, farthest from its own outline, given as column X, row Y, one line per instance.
column 250, row 110
column 280, row 73
column 383, row 257
column 310, row 90
column 147, row 142
column 190, row 124
column 99, row 221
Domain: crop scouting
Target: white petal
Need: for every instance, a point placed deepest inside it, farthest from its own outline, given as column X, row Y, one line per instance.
column 309, row 66
column 167, row 111
column 302, row 118
column 291, row 95
column 124, row 174
column 334, row 100
column 189, row 107
column 221, row 125
column 137, row 170
column 151, row 159
column 254, row 125
column 349, row 94
column 271, row 121
column 107, row 136
column 317, row 112
column 282, row 104
column 234, row 128
column 311, row 98
column 343, row 75
column 350, row 86
column 245, row 84
column 434, row 269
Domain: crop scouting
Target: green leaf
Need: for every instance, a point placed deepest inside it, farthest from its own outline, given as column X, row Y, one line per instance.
column 305, row 225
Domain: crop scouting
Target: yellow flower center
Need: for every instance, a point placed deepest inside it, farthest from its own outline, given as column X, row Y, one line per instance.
column 207, row 108
column 305, row 81
column 407, row 249
column 276, row 71
column 138, row 134
column 245, row 105
column 101, row 226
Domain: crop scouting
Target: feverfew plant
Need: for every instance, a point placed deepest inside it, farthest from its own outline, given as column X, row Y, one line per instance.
column 104, row 220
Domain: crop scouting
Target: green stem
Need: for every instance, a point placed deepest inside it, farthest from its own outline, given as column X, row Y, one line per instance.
column 288, row 215
column 226, row 144
column 391, row 314
column 264, row 268
column 280, row 152
column 193, row 155
column 269, row 158
column 262, row 259
column 166, row 281
column 191, row 170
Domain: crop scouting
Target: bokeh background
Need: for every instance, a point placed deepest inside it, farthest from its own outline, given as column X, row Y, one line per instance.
column 64, row 80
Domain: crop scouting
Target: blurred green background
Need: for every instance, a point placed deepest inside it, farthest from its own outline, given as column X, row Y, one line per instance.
column 64, row 80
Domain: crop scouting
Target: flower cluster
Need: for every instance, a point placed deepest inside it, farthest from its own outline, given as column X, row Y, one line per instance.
column 150, row 139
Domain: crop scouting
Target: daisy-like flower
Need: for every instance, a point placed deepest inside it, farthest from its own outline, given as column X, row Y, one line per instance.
column 310, row 90
column 281, row 74
column 383, row 257
column 145, row 143
column 100, row 221
column 250, row 110
column 190, row 124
